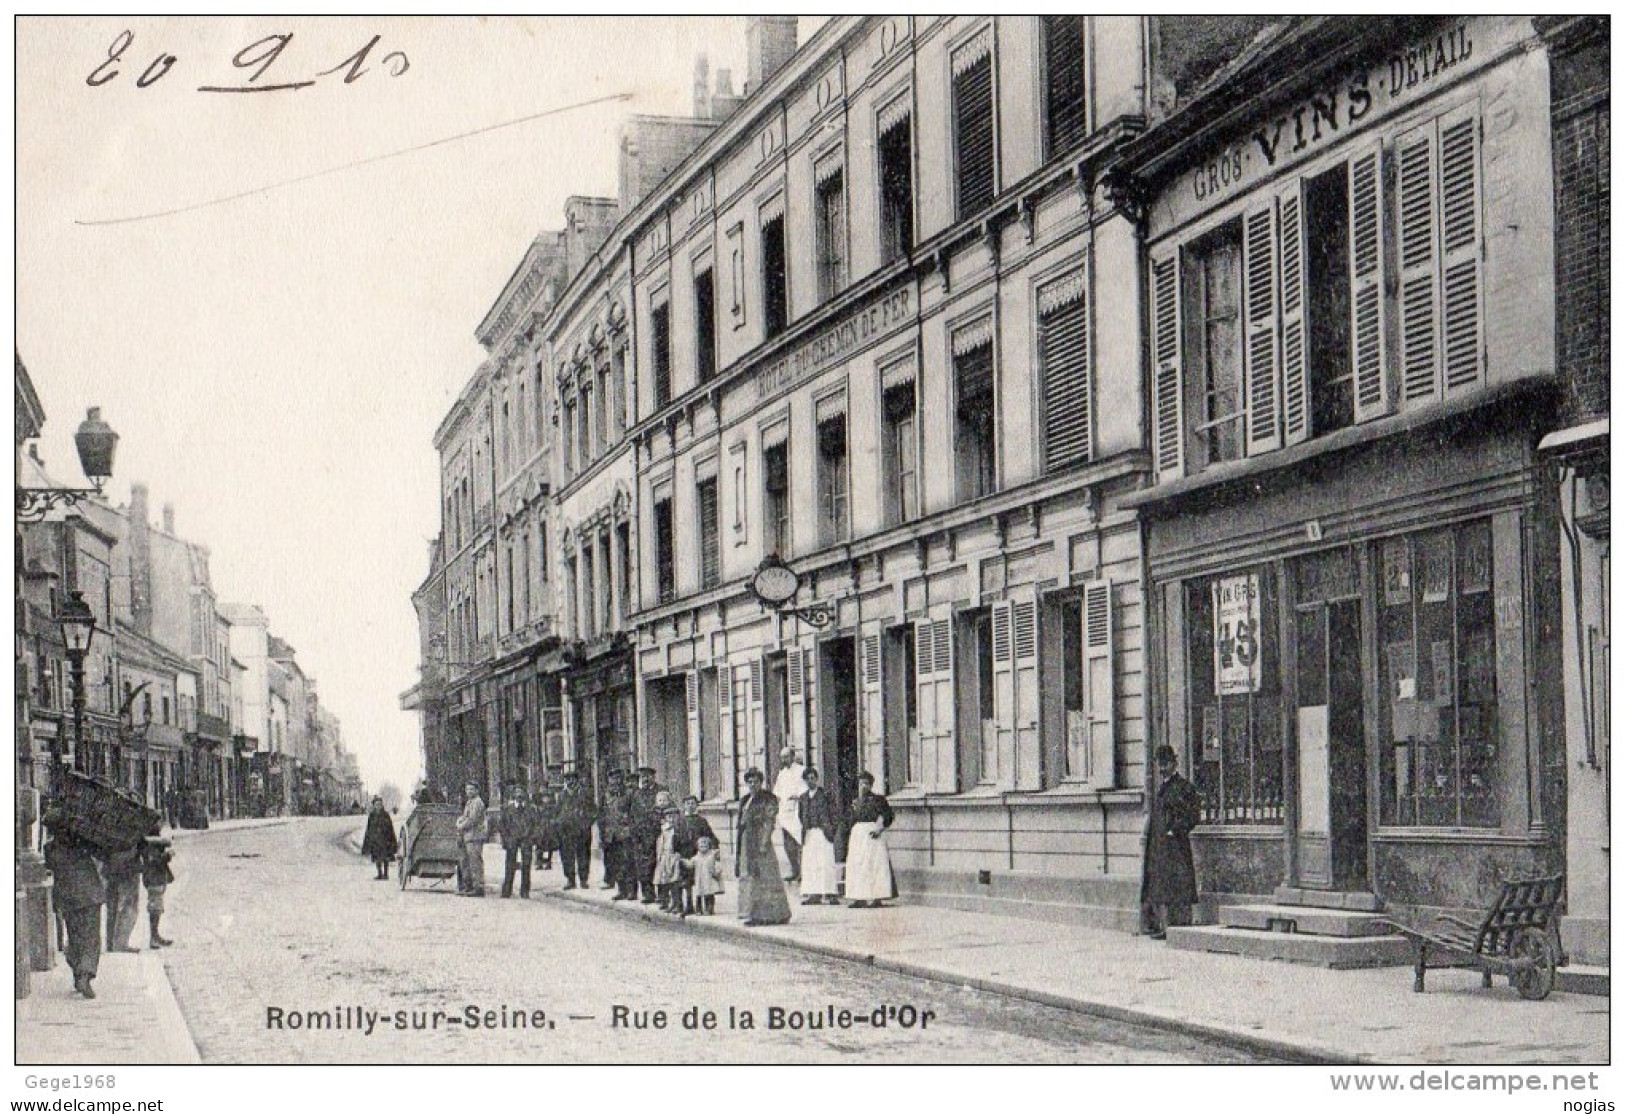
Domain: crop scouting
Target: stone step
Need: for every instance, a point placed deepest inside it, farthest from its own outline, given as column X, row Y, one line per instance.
column 1581, row 979
column 1357, row 900
column 1340, row 952
column 1303, row 919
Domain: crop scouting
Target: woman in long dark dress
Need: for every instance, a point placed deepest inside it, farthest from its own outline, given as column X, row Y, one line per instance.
column 380, row 844
column 762, row 899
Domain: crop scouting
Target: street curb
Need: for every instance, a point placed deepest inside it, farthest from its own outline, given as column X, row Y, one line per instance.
column 171, row 1022
column 269, row 822
column 1295, row 1053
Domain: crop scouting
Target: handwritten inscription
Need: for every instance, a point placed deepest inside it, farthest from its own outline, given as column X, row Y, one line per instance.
column 833, row 343
column 256, row 59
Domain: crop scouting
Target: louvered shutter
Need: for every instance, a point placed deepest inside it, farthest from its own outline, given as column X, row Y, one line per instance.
column 1065, row 105
column 973, row 127
column 922, row 760
column 1418, row 290
column 997, row 759
column 1294, row 317
column 1100, row 684
column 725, row 728
column 934, row 672
column 695, row 745
column 1263, row 373
column 796, row 685
column 871, row 723
column 1370, row 350
column 1461, row 247
column 1168, row 383
column 1063, row 327
column 753, row 736
column 1028, row 770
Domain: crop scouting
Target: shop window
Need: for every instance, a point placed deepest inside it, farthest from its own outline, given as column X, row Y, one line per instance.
column 830, row 209
column 705, row 327
column 974, row 155
column 665, row 566
column 895, row 151
column 705, row 499
column 1234, row 733
column 660, row 353
column 1438, row 719
column 833, row 481
column 1065, row 109
column 899, row 463
column 775, row 282
column 776, row 498
column 1213, row 342
column 1068, row 391
column 974, row 448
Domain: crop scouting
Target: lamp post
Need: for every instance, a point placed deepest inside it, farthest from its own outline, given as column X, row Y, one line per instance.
column 78, row 627
column 96, row 443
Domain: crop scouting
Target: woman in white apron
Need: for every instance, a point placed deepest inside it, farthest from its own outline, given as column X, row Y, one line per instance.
column 868, row 864
column 820, row 881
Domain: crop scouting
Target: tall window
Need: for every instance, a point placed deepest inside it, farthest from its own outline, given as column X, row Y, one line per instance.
column 705, row 503
column 541, row 553
column 508, row 552
column 570, row 601
column 895, row 151
column 831, row 232
column 538, row 399
column 589, row 597
column 606, row 598
column 660, row 353
column 900, row 459
column 1214, row 268
column 776, row 498
column 833, row 526
column 973, row 126
column 705, row 326
column 1065, row 109
column 623, row 545
column 1330, row 349
column 665, row 557
column 974, row 449
column 618, row 390
column 603, row 393
column 589, row 451
column 775, row 286
column 568, row 420
column 1438, row 718
column 1068, row 390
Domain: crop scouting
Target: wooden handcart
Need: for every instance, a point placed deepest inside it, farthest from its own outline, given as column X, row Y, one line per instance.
column 1518, row 938
column 431, row 845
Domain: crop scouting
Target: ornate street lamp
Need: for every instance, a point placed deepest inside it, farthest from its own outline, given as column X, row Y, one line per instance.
column 96, row 443
column 78, row 627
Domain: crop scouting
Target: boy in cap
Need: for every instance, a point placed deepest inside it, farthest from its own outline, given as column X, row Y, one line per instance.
column 156, row 875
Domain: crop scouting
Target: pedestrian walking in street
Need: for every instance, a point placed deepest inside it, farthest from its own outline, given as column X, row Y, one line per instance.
column 615, row 833
column 691, row 828
column 706, row 870
column 156, row 874
column 517, row 827
column 788, row 787
column 380, row 843
column 669, row 865
column 471, row 827
column 869, row 878
column 820, row 880
column 573, row 818
column 78, row 891
column 762, row 900
column 123, row 897
column 1168, row 887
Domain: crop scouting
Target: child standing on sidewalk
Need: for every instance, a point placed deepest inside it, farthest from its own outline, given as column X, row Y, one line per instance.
column 707, row 867
column 156, row 875
column 669, row 865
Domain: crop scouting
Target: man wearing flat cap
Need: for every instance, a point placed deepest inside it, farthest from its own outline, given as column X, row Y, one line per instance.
column 573, row 817
column 645, row 821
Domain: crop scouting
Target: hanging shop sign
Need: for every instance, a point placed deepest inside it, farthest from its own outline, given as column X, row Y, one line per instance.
column 1236, row 632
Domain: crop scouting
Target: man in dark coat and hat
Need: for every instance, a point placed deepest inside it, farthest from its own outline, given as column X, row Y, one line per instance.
column 78, row 892
column 573, row 816
column 615, row 833
column 1168, row 889
column 645, row 822
column 380, row 843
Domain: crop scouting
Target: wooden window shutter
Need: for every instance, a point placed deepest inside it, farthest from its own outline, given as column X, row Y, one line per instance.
column 698, row 775
column 1028, row 766
column 1004, row 698
column 934, row 674
column 726, row 745
column 1294, row 317
column 1261, row 306
column 1415, row 154
column 1168, row 385
column 973, row 126
column 1461, row 247
column 1365, row 285
column 1100, row 684
column 871, row 724
column 1068, row 393
column 923, row 772
column 796, row 686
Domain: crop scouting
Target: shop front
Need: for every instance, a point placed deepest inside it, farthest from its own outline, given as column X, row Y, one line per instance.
column 600, row 711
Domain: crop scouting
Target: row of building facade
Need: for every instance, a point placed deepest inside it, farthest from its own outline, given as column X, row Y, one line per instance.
column 190, row 702
column 1238, row 384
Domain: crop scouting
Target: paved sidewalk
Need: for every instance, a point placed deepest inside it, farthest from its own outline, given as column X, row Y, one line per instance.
column 1304, row 1014
column 133, row 1019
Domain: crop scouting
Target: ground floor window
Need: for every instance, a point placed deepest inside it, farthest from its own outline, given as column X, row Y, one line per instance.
column 1234, row 721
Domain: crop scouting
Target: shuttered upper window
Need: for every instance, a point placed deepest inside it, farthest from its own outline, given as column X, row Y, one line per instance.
column 660, row 352
column 1065, row 109
column 975, row 452
column 705, row 505
column 894, row 152
column 974, row 165
column 1063, row 337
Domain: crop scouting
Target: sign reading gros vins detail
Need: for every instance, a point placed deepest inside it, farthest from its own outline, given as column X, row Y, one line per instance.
column 835, row 342
column 1236, row 630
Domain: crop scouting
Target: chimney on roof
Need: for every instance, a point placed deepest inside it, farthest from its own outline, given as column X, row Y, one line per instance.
column 169, row 519
column 702, row 87
column 770, row 40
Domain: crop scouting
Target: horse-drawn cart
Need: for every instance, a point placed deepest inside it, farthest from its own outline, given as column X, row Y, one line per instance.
column 431, row 845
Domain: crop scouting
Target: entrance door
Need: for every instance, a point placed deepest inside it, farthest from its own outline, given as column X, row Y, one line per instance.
column 776, row 711
column 1332, row 821
column 838, row 729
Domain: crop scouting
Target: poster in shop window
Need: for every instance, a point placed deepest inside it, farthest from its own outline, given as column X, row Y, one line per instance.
column 1236, row 634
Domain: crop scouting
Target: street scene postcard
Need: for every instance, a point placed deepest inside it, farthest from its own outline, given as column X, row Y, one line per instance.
column 899, row 540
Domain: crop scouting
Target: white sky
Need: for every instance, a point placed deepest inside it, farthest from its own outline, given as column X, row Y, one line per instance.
column 276, row 365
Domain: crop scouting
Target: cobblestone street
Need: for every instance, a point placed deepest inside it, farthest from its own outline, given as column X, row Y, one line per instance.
column 286, row 918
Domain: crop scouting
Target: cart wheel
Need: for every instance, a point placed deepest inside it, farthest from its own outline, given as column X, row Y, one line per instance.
column 1536, row 980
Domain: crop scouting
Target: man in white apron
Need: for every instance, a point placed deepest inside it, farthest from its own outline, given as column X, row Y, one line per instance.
column 788, row 788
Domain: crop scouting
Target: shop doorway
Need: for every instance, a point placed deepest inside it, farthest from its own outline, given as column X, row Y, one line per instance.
column 1332, row 824
column 838, row 716
column 668, row 732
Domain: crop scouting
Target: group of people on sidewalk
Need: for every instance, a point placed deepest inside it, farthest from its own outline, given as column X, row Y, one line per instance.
column 88, row 877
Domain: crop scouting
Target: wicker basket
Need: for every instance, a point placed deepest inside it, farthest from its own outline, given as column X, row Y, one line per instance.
column 103, row 814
